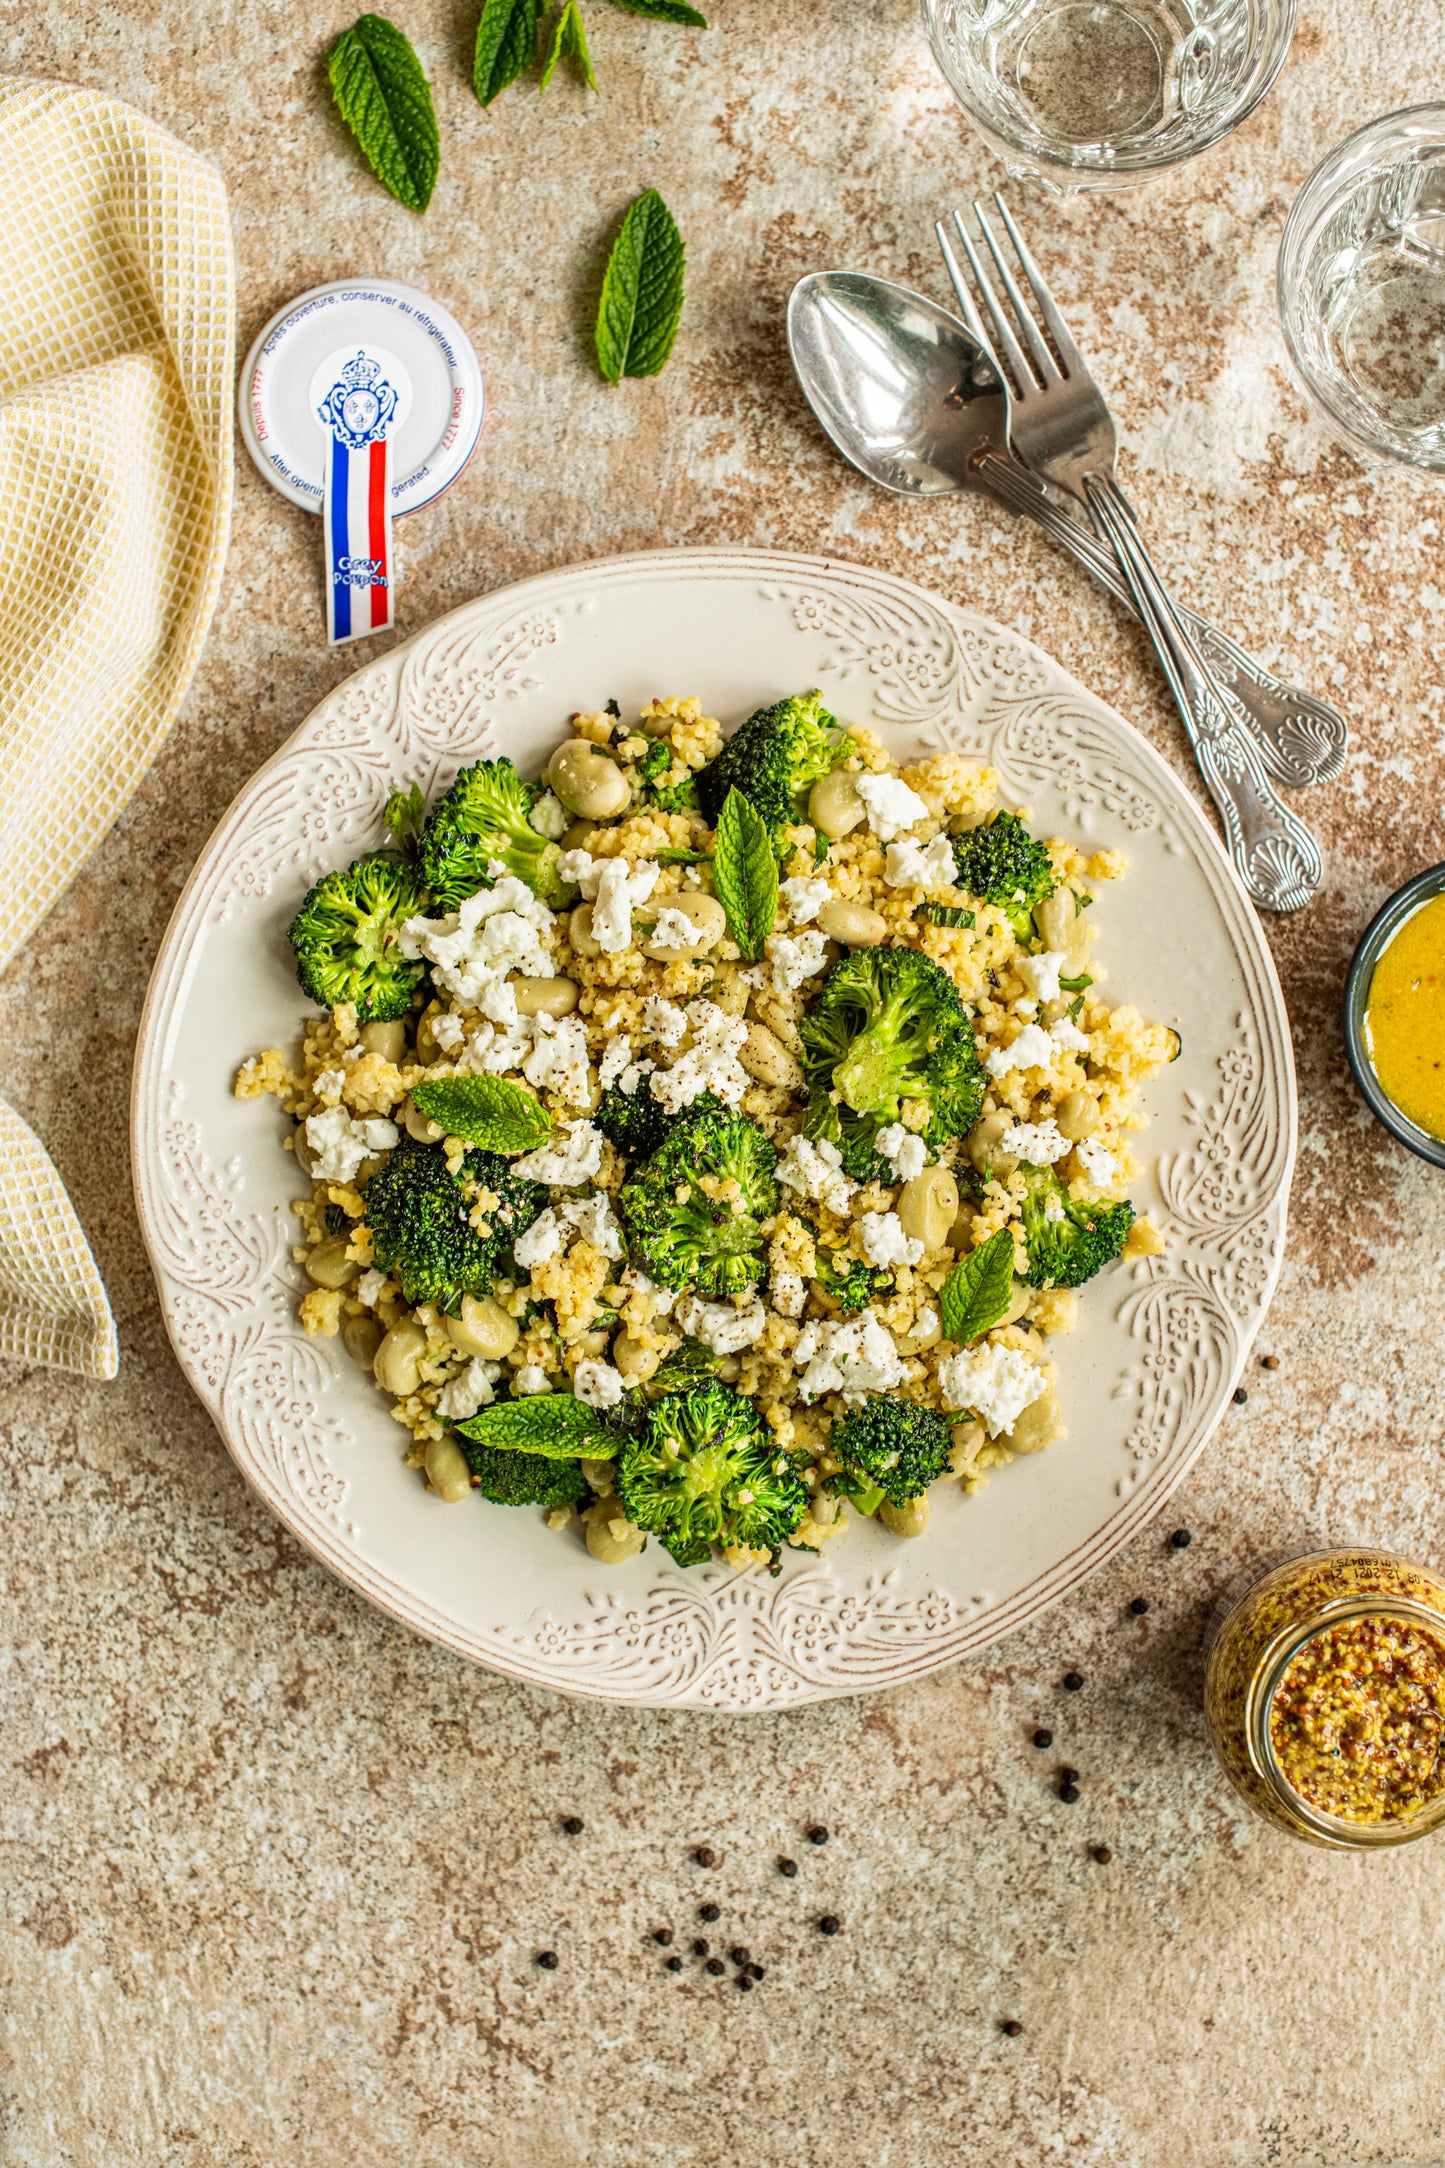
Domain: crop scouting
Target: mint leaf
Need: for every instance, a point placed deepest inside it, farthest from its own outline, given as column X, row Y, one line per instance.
column 385, row 100
column 569, row 37
column 682, row 858
column 557, row 1425
column 948, row 914
column 506, row 45
column 484, row 1110
column 978, row 1291
column 641, row 300
column 745, row 874
column 665, row 11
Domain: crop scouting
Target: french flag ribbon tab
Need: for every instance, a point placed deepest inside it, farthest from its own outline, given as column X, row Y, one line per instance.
column 357, row 413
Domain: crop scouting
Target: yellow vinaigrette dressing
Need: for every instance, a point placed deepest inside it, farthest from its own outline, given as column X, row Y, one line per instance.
column 1405, row 1018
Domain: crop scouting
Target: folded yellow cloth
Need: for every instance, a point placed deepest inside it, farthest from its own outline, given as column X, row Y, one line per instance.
column 117, row 334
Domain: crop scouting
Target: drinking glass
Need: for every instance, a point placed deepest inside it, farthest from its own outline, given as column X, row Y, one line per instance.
column 1105, row 93
column 1361, row 288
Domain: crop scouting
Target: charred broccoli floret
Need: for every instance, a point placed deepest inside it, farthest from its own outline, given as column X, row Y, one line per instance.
column 1068, row 1242
column 636, row 1123
column 524, row 1479
column 692, row 1362
column 892, row 1446
column 484, row 817
column 694, row 1210
column 705, row 1470
column 345, row 938
column 422, row 1230
column 848, row 1280
column 888, row 1027
column 659, row 760
column 1002, row 864
column 774, row 759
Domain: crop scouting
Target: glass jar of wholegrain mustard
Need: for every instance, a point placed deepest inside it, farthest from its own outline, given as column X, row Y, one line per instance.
column 1325, row 1698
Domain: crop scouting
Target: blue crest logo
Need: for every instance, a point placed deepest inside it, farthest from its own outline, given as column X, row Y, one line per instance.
column 359, row 406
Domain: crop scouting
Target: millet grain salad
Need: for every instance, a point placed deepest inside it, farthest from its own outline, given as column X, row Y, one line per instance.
column 707, row 1140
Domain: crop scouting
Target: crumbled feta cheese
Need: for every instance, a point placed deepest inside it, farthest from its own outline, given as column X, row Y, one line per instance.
column 796, row 957
column 1054, row 1208
column 892, row 806
column 578, row 868
column 590, row 1217
column 370, row 1285
column 469, row 1390
column 559, row 1057
column 816, row 1171
column 596, row 1223
column 803, row 897
column 1066, row 1034
column 341, row 1144
column 1041, row 973
column 612, row 887
column 633, row 1074
column 495, row 1050
column 1098, row 1163
column 885, row 1243
column 719, row 1326
column 330, row 1084
column 448, row 1031
column 572, row 1156
column 663, row 1020
column 531, row 1378
column 998, row 1383
column 615, row 1059
column 543, row 1239
column 913, row 865
column 498, row 930
column 788, row 1292
column 598, row 1384
column 1032, row 1049
column 1040, row 1143
column 676, row 930
column 925, row 1324
column 710, row 1064
column 906, row 1154
column 550, row 817
column 854, row 1359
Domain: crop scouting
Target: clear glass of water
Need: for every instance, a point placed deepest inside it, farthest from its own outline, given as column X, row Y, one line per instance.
column 1362, row 288
column 1105, row 93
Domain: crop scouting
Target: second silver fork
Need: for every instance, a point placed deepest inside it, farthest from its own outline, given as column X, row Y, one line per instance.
column 1061, row 428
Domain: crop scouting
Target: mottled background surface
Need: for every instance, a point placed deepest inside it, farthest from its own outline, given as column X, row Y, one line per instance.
column 275, row 1873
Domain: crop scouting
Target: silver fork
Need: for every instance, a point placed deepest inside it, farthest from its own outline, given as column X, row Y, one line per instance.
column 1061, row 429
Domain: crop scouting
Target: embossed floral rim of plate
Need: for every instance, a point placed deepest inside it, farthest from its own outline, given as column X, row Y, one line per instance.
column 1160, row 1344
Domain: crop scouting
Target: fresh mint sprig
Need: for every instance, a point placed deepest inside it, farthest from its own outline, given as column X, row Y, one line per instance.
column 506, row 45
column 665, row 11
column 559, row 1426
column 484, row 1110
column 641, row 300
column 382, row 94
column 569, row 41
column 978, row 1291
column 745, row 875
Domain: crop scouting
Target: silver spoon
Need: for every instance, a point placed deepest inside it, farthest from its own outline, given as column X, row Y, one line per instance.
column 913, row 401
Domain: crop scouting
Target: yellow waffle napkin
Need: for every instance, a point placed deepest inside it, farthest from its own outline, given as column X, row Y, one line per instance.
column 117, row 331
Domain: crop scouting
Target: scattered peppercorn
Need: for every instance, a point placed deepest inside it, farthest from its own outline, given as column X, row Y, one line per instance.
column 1102, row 1854
column 745, row 1985
column 740, row 1955
column 700, row 1948
column 574, row 1825
column 715, row 1966
column 1068, row 1776
column 1012, row 2027
column 1073, row 1680
column 674, row 1964
column 1139, row 1606
column 1269, row 1362
column 829, row 1924
column 662, row 1935
column 1043, row 1737
column 1240, row 1396
column 705, row 1856
column 789, row 1867
column 1180, row 1540
column 1068, row 1793
column 547, row 1959
column 755, row 1972
column 709, row 1911
column 818, row 1834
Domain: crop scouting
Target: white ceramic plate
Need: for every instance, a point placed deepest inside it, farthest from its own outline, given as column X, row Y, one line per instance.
column 1161, row 1344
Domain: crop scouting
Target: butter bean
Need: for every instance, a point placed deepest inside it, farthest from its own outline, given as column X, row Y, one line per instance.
column 1077, row 1116
column 305, row 1157
column 418, row 1125
column 928, row 1207
column 633, row 1359
column 854, row 924
column 545, row 997
column 1065, row 929
column 398, row 1359
column 579, row 932
column 1039, row 1424
column 447, row 1470
column 588, row 783
column 765, row 1057
column 388, row 1040
column 611, row 1538
column 906, row 1520
column 580, row 836
column 361, row 1337
column 835, row 806
column 707, row 915
column 427, row 1048
column 328, row 1264
column 484, row 1328
column 982, row 1145
column 599, row 1474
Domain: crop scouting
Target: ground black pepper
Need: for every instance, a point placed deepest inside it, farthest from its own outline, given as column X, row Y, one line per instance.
column 818, row 1834
column 829, row 1924
column 662, row 1935
column 1012, row 2027
column 709, row 1911
column 788, row 1867
column 705, row 1856
column 1180, row 1540
column 1139, row 1606
column 1102, row 1854
column 547, row 1959
column 574, row 1825
column 1073, row 1680
column 674, row 1964
column 715, row 1966
column 1043, row 1737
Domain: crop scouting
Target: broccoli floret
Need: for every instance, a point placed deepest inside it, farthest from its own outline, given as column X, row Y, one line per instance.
column 705, row 1471
column 1003, row 865
column 658, row 761
column 683, row 1236
column 848, row 1280
column 345, row 938
column 1068, row 1242
column 892, row 1445
column 419, row 1216
column 774, row 759
column 888, row 1027
column 692, row 1362
column 483, row 817
column 525, row 1479
column 636, row 1123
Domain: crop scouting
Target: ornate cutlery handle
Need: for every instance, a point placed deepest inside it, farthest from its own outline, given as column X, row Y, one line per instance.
column 1301, row 740
column 1274, row 854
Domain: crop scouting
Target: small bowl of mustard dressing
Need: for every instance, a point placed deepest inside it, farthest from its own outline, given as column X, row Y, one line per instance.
column 1395, row 1015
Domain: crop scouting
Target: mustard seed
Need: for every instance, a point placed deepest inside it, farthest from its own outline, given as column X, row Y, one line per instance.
column 1043, row 1737
column 574, row 1825
column 829, row 1924
column 1269, row 1362
column 789, row 1867
column 1068, row 1776
column 1068, row 1793
column 1073, row 1680
column 740, row 1955
column 1180, row 1540
column 1012, row 2027
column 709, row 1911
column 700, row 1948
column 547, row 1959
column 818, row 1834
column 705, row 1856
column 1139, row 1606
column 716, row 1967
column 1102, row 1854
column 662, row 1935
column 1240, row 1396
column 674, row 1964
column 745, row 1985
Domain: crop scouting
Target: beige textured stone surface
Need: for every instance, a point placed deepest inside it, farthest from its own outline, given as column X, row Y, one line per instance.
column 275, row 1873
